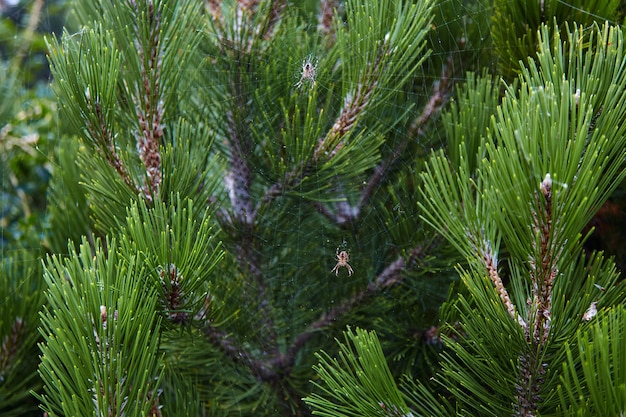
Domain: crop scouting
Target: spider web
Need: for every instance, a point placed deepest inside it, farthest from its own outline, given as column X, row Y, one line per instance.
column 311, row 243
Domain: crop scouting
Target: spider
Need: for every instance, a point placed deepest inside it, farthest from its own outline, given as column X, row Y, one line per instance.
column 342, row 261
column 308, row 72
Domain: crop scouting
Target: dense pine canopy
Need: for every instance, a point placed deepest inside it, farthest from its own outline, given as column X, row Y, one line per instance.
column 336, row 208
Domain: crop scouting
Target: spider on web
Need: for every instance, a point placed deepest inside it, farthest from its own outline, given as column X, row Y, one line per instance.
column 342, row 257
column 309, row 69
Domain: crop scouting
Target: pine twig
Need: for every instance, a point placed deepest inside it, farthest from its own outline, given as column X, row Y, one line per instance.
column 542, row 275
column 149, row 107
column 389, row 277
column 104, row 136
column 437, row 100
column 346, row 213
column 484, row 251
column 355, row 105
column 10, row 345
column 326, row 19
column 491, row 263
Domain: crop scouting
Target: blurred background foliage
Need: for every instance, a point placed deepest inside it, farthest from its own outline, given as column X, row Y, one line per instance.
column 29, row 133
column 28, row 121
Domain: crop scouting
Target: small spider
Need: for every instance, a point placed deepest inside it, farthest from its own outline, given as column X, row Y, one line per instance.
column 342, row 261
column 308, row 73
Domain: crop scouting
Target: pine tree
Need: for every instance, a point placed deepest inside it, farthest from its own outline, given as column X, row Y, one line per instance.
column 536, row 324
column 241, row 181
column 232, row 197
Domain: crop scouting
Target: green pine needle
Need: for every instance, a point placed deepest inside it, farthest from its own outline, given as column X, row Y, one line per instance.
column 358, row 383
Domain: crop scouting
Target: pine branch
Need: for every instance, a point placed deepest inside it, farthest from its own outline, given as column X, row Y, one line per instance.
column 275, row 366
column 344, row 213
column 435, row 103
column 147, row 99
column 541, row 126
column 326, row 19
column 390, row 276
column 108, row 149
column 355, row 105
column 531, row 368
column 10, row 346
column 543, row 274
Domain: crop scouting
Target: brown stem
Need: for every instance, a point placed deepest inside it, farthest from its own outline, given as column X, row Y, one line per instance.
column 326, row 19
column 345, row 213
column 149, row 107
column 528, row 387
column 542, row 275
column 389, row 277
column 106, row 143
column 11, row 344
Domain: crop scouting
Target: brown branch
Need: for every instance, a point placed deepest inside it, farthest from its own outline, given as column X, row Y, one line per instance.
column 149, row 107
column 105, row 143
column 277, row 365
column 543, row 274
column 326, row 19
column 436, row 102
column 389, row 277
column 11, row 345
column 354, row 106
column 529, row 386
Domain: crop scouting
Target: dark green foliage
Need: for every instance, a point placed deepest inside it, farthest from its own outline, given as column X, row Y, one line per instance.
column 20, row 300
column 516, row 24
column 178, row 103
